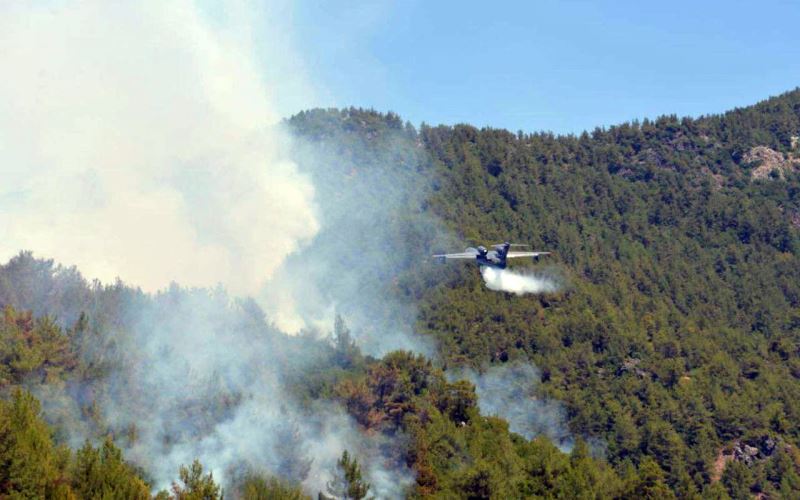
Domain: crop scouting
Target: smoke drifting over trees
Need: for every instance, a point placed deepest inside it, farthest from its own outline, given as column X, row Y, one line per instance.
column 508, row 391
column 186, row 374
column 153, row 154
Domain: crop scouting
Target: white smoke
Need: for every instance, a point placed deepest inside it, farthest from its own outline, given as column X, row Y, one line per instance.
column 509, row 391
column 198, row 376
column 135, row 142
column 372, row 230
column 139, row 140
column 504, row 280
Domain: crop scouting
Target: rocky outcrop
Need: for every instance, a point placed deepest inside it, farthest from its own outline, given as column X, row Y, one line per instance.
column 743, row 452
column 747, row 452
column 769, row 163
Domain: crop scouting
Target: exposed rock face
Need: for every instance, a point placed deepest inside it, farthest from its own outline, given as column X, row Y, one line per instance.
column 769, row 162
column 747, row 452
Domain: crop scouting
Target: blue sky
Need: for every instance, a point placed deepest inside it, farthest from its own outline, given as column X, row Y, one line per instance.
column 548, row 65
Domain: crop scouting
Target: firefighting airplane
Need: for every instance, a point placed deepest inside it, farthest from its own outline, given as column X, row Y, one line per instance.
column 493, row 258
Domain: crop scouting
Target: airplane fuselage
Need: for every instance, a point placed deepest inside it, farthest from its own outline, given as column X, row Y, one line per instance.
column 491, row 258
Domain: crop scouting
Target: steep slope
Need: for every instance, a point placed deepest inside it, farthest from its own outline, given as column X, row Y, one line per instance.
column 678, row 331
column 423, row 423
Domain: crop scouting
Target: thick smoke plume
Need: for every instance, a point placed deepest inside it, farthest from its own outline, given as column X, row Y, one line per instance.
column 137, row 140
column 369, row 191
column 504, row 280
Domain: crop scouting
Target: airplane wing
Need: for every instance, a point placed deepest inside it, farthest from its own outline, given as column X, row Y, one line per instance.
column 463, row 255
column 511, row 255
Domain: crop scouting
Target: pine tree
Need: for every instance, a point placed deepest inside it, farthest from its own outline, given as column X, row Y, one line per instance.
column 196, row 485
column 257, row 487
column 651, row 482
column 347, row 482
column 102, row 473
column 27, row 455
column 347, row 353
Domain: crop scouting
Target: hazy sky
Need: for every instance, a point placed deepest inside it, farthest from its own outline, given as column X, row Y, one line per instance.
column 548, row 65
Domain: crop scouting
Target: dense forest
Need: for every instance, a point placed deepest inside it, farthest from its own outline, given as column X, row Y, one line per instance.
column 673, row 344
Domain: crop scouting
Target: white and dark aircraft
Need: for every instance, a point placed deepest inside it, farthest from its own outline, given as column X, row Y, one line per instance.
column 492, row 258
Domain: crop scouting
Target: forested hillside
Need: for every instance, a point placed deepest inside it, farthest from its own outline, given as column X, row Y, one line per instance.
column 673, row 344
column 426, row 425
column 677, row 336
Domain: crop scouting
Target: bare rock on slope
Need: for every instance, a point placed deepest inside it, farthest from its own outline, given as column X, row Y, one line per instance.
column 770, row 163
